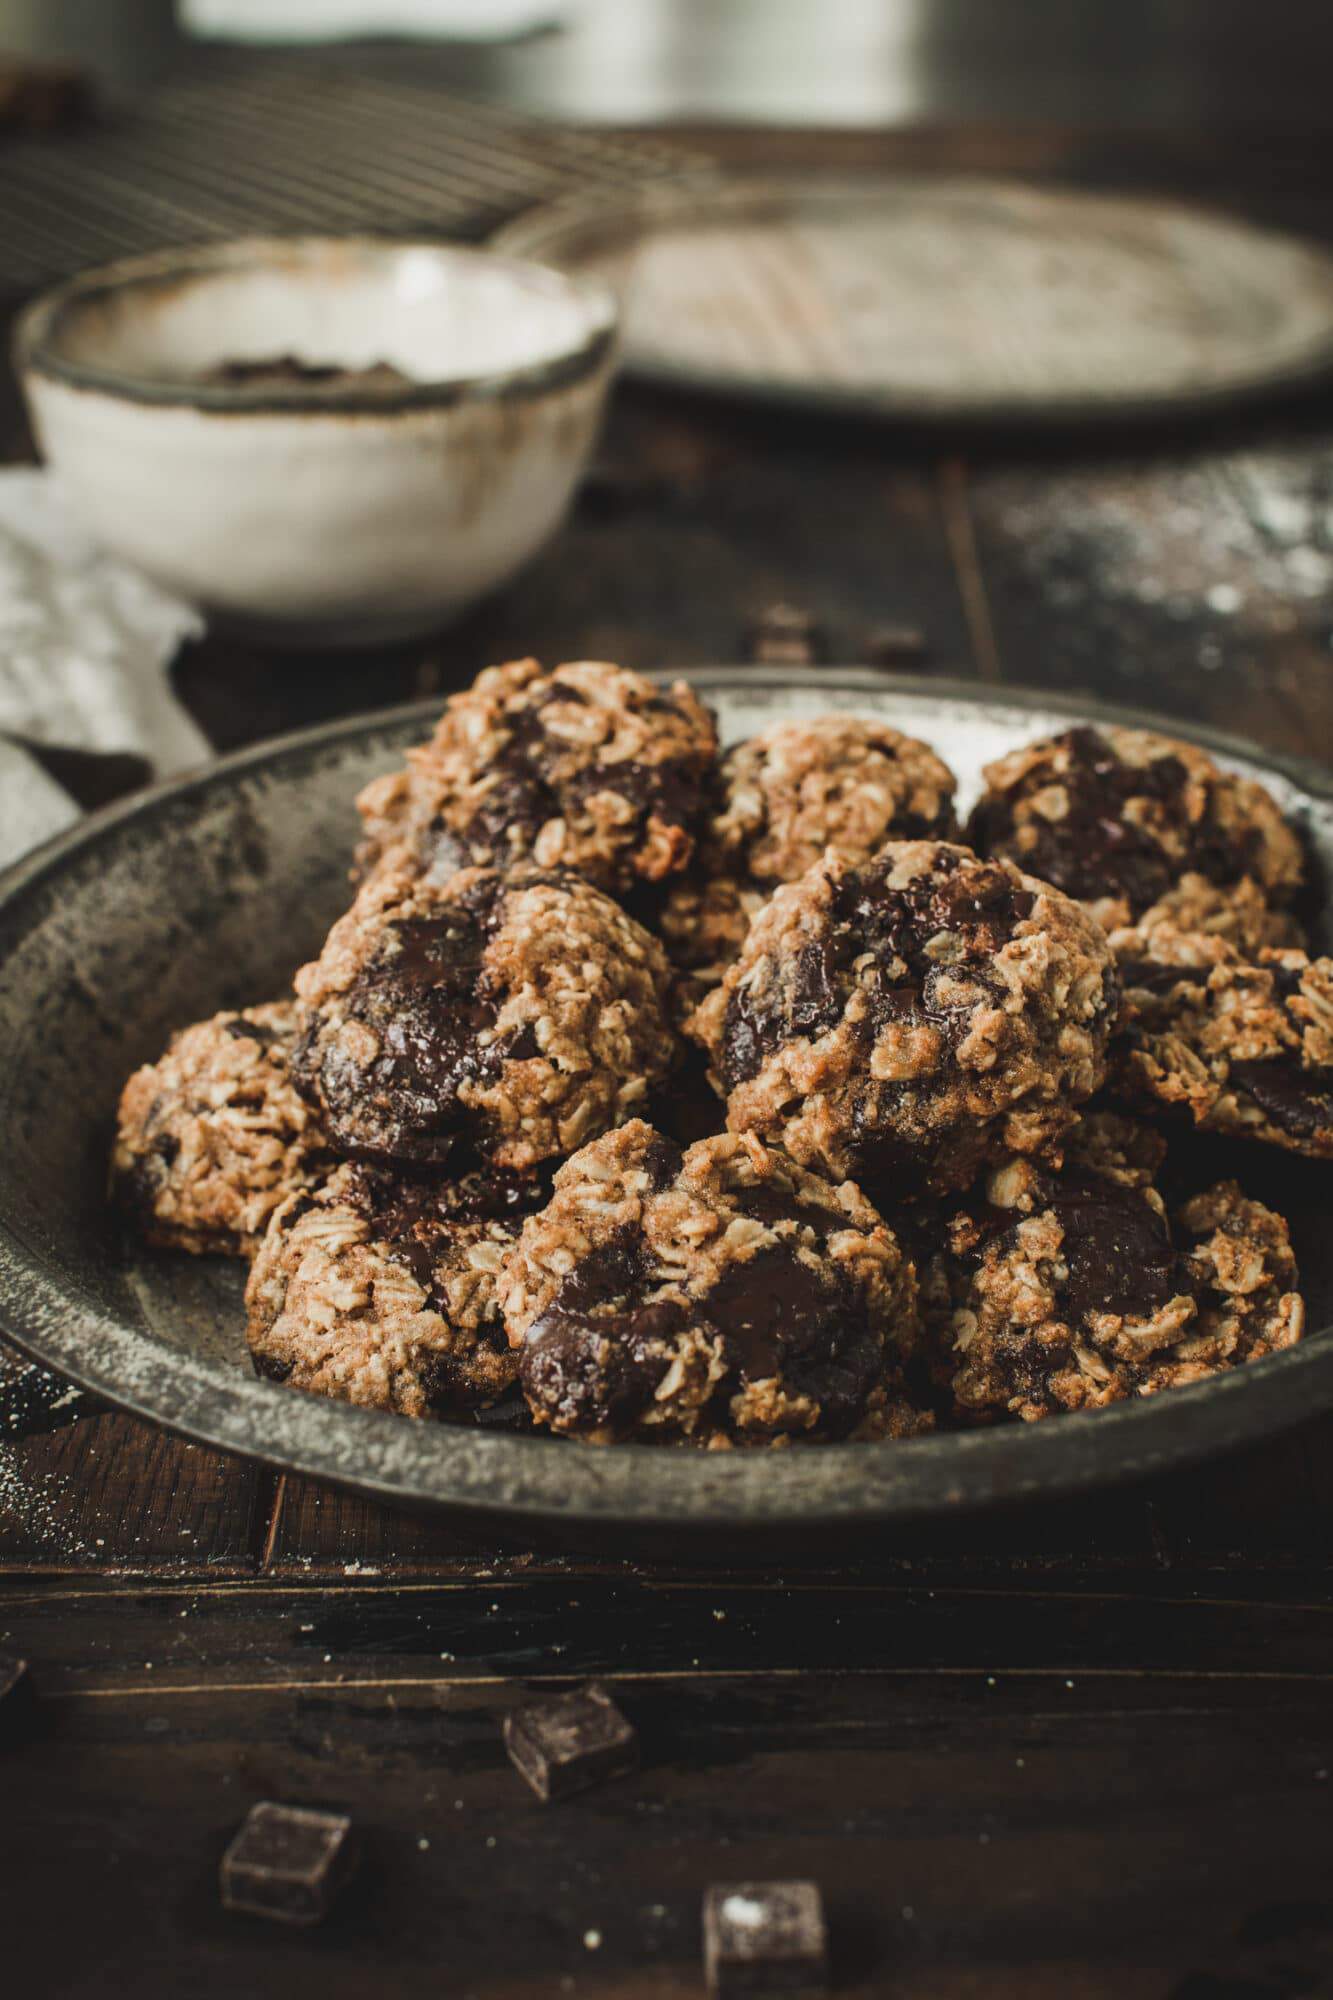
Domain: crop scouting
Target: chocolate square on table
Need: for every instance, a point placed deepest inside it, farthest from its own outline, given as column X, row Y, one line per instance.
column 287, row 1862
column 783, row 635
column 561, row 1746
column 765, row 1937
column 895, row 645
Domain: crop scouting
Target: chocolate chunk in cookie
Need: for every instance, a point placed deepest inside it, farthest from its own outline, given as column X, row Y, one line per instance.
column 785, row 796
column 837, row 781
column 1234, row 1044
column 381, row 1291
column 1136, row 825
column 703, row 921
column 588, row 767
column 1066, row 1290
column 901, row 1021
column 510, row 1017
column 717, row 1295
column 213, row 1136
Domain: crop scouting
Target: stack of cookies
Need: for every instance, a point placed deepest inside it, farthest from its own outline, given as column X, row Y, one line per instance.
column 479, row 1176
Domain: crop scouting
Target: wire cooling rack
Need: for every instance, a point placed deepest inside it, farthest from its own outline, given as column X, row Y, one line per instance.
column 288, row 143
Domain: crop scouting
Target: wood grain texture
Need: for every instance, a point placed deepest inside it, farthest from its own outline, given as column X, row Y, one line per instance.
column 953, row 296
column 108, row 1492
column 979, row 1823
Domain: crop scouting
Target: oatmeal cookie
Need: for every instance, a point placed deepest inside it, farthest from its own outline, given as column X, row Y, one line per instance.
column 1104, row 1145
column 703, row 922
column 1136, row 825
column 839, row 781
column 377, row 1290
column 506, row 1017
column 1238, row 1045
column 587, row 767
column 718, row 1295
column 1070, row 1290
column 900, row 1022
column 212, row 1136
column 785, row 796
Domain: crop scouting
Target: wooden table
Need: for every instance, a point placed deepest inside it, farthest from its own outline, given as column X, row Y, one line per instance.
column 1082, row 1752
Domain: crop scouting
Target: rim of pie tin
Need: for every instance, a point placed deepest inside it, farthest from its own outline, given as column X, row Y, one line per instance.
column 1246, row 311
column 561, row 1488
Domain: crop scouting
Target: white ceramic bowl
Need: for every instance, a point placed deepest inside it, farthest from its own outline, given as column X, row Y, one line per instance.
column 323, row 502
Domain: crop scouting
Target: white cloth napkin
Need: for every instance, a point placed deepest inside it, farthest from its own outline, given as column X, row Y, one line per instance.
column 84, row 646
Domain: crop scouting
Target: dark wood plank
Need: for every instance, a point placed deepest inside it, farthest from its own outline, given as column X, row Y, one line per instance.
column 112, row 1493
column 1188, row 1622
column 109, row 1492
column 1197, row 581
column 1035, row 1808
column 317, row 1532
column 1265, row 1508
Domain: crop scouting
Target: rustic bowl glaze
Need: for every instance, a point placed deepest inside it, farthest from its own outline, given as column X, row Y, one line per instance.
column 456, row 400
column 207, row 892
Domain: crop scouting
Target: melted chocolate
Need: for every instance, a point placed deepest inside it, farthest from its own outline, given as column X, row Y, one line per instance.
column 397, row 1206
column 529, row 786
column 1095, row 850
column 593, row 1360
column 588, row 1361
column 251, row 1031
column 1117, row 1248
column 426, row 998
column 980, row 906
column 768, row 1204
column 766, row 1305
column 1152, row 977
column 671, row 792
column 415, row 1220
column 1296, row 1100
column 1286, row 980
column 662, row 1160
column 780, row 1316
column 269, row 1368
column 300, row 1207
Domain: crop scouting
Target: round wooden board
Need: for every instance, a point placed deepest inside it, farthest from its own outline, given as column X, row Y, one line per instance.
column 948, row 298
